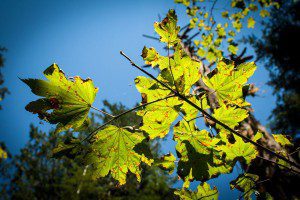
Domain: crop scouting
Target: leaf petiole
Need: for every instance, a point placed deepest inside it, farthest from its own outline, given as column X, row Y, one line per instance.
column 105, row 113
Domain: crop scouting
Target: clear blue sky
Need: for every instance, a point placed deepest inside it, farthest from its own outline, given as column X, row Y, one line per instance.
column 84, row 38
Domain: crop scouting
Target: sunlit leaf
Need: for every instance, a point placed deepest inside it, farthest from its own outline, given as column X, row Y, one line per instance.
column 231, row 116
column 203, row 192
column 228, row 82
column 245, row 183
column 66, row 102
column 239, row 150
column 113, row 151
column 167, row 162
column 251, row 22
column 200, row 140
column 168, row 29
column 283, row 140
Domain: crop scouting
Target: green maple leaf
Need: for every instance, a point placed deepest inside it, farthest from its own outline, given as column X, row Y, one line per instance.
column 186, row 68
column 167, row 162
column 239, row 150
column 113, row 150
column 196, row 150
column 245, row 183
column 69, row 100
column 190, row 112
column 220, row 31
column 203, row 192
column 228, row 82
column 157, row 117
column 201, row 167
column 201, row 141
column 231, row 116
column 180, row 74
column 284, row 141
column 168, row 29
column 69, row 148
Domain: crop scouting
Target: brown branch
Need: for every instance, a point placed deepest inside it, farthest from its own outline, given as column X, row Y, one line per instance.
column 208, row 115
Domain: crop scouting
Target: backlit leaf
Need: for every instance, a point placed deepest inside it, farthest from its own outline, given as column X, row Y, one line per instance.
column 200, row 140
column 66, row 102
column 203, row 192
column 245, row 183
column 239, row 150
column 168, row 29
column 167, row 162
column 112, row 151
column 251, row 22
column 228, row 82
column 231, row 116
column 283, row 140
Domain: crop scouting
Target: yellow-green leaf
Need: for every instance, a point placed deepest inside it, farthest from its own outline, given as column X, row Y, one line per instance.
column 239, row 150
column 245, row 183
column 231, row 116
column 204, row 192
column 113, row 151
column 200, row 140
column 70, row 100
column 251, row 22
column 168, row 29
column 228, row 82
column 283, row 140
column 167, row 162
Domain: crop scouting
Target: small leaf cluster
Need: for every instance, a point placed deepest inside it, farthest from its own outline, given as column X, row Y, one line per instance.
column 215, row 36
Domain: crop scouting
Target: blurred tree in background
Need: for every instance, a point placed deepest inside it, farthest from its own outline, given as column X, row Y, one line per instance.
column 3, row 90
column 278, row 49
column 34, row 174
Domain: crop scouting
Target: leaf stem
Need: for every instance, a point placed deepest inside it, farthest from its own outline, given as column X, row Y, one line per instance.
column 209, row 116
column 102, row 111
column 124, row 113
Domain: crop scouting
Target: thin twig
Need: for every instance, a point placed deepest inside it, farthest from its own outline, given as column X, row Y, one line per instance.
column 271, row 161
column 298, row 149
column 192, row 37
column 209, row 116
column 195, row 118
column 184, row 27
column 150, row 37
column 102, row 111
